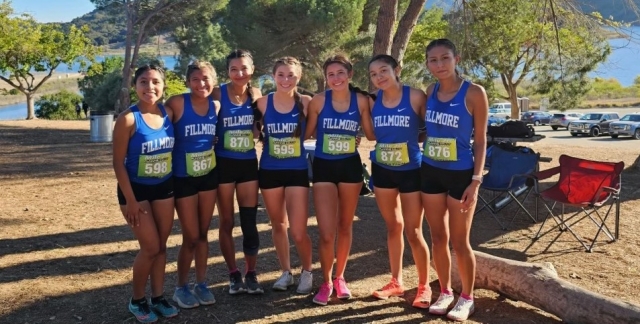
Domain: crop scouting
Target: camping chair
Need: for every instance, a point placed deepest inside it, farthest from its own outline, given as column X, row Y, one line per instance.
column 506, row 179
column 587, row 185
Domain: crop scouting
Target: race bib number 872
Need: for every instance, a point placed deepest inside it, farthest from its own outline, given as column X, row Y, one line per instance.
column 392, row 154
column 154, row 166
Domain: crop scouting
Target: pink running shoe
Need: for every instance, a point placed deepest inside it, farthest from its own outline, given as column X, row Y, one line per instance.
column 341, row 288
column 323, row 295
column 393, row 288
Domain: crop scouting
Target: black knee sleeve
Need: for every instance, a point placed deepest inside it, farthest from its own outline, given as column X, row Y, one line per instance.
column 251, row 239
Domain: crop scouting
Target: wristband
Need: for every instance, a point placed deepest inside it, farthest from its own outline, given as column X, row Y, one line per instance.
column 477, row 178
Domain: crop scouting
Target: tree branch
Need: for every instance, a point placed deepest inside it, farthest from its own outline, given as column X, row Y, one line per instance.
column 405, row 28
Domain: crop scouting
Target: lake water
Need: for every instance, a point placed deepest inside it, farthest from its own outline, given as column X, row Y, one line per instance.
column 622, row 65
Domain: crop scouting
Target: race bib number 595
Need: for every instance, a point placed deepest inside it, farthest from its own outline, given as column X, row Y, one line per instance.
column 282, row 148
column 154, row 166
column 392, row 154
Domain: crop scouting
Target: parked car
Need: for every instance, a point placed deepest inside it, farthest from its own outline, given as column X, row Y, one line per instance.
column 628, row 125
column 593, row 124
column 500, row 110
column 562, row 120
column 536, row 117
column 494, row 121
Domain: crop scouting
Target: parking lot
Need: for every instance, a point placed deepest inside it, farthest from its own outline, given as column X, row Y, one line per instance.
column 562, row 136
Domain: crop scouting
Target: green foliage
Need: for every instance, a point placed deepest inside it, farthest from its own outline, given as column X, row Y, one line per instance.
column 60, row 105
column 307, row 29
column 431, row 25
column 202, row 41
column 103, row 27
column 101, row 84
column 610, row 89
column 636, row 81
column 513, row 40
column 27, row 47
column 174, row 84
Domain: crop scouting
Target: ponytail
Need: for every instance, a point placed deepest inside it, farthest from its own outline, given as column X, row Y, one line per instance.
column 301, row 116
column 355, row 89
column 257, row 114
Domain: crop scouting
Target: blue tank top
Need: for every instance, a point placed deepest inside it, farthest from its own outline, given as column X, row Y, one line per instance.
column 235, row 129
column 396, row 130
column 282, row 151
column 148, row 159
column 336, row 131
column 193, row 154
column 449, row 129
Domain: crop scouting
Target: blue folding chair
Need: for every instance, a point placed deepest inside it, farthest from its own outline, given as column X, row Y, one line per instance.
column 507, row 180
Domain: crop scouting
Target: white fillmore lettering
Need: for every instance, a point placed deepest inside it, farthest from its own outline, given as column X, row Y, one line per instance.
column 394, row 121
column 200, row 129
column 281, row 128
column 333, row 123
column 238, row 120
column 157, row 144
column 442, row 119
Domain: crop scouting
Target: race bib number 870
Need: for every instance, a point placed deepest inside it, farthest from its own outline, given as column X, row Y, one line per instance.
column 392, row 154
column 239, row 140
column 154, row 166
column 282, row 148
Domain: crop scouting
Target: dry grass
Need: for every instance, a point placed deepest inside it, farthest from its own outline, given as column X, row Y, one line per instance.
column 66, row 252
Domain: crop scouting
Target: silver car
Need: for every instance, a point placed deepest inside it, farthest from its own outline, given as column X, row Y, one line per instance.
column 629, row 125
column 561, row 120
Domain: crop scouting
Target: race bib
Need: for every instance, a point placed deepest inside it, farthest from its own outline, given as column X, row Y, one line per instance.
column 392, row 154
column 200, row 163
column 154, row 166
column 338, row 144
column 441, row 149
column 239, row 140
column 282, row 148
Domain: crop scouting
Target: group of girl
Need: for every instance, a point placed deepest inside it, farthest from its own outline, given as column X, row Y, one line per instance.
column 197, row 150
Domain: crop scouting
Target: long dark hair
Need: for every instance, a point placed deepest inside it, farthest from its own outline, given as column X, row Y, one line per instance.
column 289, row 60
column 257, row 115
column 344, row 61
column 386, row 59
column 145, row 68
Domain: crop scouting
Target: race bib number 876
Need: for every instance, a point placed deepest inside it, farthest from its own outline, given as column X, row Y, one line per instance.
column 441, row 149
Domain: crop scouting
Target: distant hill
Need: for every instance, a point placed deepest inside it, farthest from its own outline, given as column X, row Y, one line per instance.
column 108, row 29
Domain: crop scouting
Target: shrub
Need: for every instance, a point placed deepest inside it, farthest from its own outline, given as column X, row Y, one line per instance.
column 59, row 105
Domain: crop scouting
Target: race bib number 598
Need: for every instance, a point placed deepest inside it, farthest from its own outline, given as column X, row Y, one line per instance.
column 154, row 166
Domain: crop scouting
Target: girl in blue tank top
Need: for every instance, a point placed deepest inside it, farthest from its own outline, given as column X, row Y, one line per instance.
column 143, row 140
column 397, row 114
column 452, row 172
column 335, row 117
column 283, row 165
column 238, row 167
column 196, row 179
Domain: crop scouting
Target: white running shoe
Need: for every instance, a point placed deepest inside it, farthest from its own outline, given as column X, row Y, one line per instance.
column 285, row 280
column 441, row 305
column 463, row 309
column 306, row 282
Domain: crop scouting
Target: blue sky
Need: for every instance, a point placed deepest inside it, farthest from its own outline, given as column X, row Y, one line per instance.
column 53, row 10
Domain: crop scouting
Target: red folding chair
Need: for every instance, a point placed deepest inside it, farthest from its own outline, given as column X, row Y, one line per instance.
column 591, row 186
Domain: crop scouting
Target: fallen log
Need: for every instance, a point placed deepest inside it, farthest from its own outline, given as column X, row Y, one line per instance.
column 538, row 284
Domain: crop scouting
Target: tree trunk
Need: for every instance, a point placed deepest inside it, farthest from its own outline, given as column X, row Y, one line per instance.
column 123, row 97
column 538, row 285
column 320, row 84
column 384, row 26
column 405, row 28
column 30, row 106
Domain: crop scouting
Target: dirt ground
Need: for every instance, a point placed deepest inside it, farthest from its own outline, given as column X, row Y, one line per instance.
column 66, row 252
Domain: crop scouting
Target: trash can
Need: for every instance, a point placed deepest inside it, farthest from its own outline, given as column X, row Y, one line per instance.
column 101, row 127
